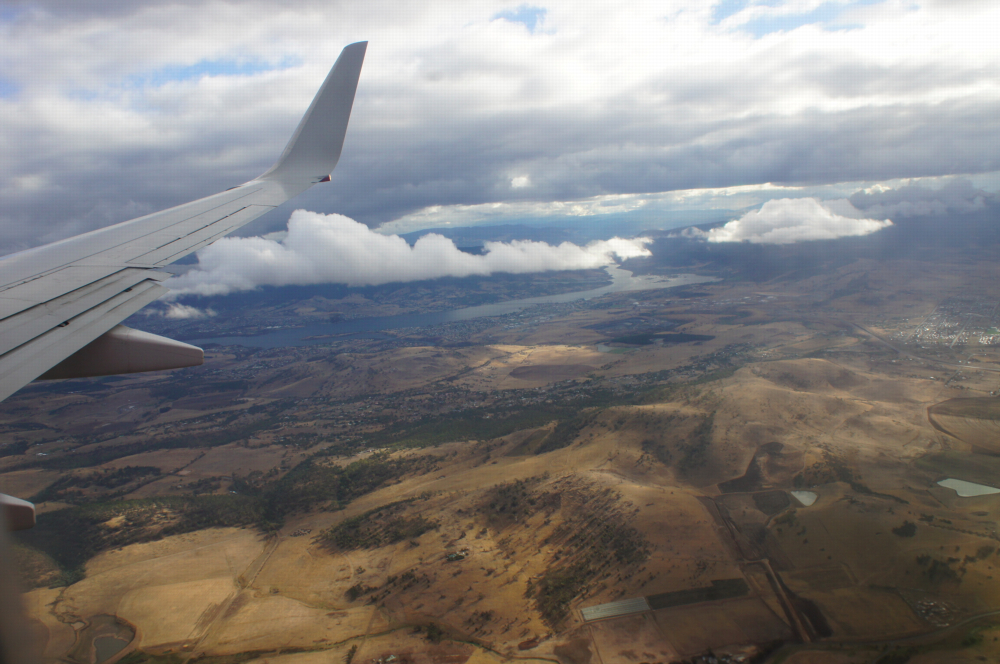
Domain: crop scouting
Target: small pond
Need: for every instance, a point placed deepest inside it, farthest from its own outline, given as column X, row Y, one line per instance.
column 807, row 498
column 104, row 637
column 967, row 489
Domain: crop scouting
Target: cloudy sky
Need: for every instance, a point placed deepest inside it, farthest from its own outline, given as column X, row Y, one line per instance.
column 489, row 111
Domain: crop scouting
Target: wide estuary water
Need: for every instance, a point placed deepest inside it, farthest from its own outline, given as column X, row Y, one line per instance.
column 622, row 280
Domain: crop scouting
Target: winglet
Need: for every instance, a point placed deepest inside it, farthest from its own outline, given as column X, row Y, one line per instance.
column 315, row 147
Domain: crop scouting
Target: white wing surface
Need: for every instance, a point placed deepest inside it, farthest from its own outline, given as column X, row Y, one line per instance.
column 61, row 304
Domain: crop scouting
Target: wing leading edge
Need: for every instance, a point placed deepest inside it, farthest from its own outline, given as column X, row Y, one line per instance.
column 61, row 304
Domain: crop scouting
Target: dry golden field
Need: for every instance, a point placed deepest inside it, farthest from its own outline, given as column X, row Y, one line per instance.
column 487, row 547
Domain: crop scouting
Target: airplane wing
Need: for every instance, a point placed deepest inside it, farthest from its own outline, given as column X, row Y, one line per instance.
column 61, row 304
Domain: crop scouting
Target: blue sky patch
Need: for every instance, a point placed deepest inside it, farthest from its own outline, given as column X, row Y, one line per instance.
column 9, row 14
column 529, row 16
column 8, row 88
column 202, row 68
column 825, row 14
column 726, row 8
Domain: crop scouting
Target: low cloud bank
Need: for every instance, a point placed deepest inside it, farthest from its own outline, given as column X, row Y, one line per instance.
column 332, row 248
column 789, row 220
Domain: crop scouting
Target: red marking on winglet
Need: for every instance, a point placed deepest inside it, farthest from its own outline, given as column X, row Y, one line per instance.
column 326, row 179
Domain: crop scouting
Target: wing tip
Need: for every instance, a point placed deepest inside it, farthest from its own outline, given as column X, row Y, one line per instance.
column 314, row 149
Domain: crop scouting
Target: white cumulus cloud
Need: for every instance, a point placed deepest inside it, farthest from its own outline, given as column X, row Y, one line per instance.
column 332, row 248
column 178, row 311
column 788, row 220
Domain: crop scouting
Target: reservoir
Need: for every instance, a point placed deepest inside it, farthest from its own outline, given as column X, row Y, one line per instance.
column 622, row 281
column 968, row 489
column 807, row 498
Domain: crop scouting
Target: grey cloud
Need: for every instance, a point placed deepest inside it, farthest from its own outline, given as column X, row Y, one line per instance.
column 452, row 118
column 957, row 196
column 568, row 158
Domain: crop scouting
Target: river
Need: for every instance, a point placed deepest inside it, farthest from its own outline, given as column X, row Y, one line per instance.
column 320, row 333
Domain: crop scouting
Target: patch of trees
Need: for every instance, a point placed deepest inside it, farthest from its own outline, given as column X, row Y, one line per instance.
column 488, row 423
column 508, row 503
column 558, row 587
column 72, row 536
column 69, row 487
column 204, row 485
column 694, row 452
column 938, row 570
column 595, row 542
column 908, row 529
column 17, row 448
column 106, row 453
column 612, row 544
column 378, row 527
column 658, row 449
column 358, row 590
column 315, row 483
column 566, row 432
column 394, row 583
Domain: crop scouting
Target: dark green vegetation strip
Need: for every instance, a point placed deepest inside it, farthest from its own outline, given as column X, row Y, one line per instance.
column 68, row 487
column 472, row 424
column 224, row 433
column 645, row 339
column 720, row 589
column 488, row 423
column 106, row 453
column 140, row 657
